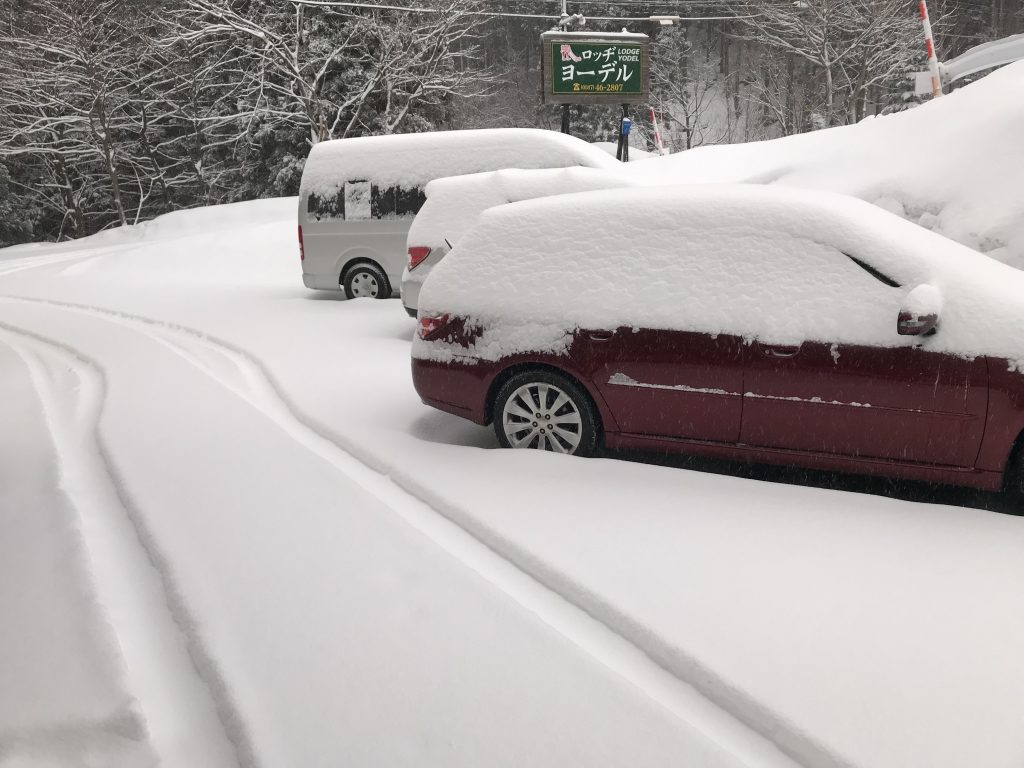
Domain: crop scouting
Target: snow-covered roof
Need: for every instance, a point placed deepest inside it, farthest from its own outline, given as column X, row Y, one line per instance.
column 413, row 159
column 454, row 203
column 747, row 260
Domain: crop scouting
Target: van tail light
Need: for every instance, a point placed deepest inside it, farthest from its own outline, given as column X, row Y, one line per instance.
column 417, row 253
column 431, row 323
column 302, row 247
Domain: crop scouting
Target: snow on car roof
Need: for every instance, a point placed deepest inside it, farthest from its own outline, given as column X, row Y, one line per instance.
column 454, row 203
column 754, row 261
column 413, row 159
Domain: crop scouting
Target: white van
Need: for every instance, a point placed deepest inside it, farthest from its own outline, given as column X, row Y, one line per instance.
column 455, row 203
column 359, row 196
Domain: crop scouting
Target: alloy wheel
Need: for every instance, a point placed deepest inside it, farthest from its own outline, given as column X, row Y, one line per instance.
column 542, row 416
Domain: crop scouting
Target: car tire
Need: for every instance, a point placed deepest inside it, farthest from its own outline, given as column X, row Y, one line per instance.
column 1013, row 490
column 366, row 280
column 557, row 401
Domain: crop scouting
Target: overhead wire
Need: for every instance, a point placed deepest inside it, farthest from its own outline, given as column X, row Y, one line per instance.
column 499, row 14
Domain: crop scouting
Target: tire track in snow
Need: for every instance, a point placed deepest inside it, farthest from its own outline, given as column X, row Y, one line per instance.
column 178, row 712
column 111, row 742
column 694, row 694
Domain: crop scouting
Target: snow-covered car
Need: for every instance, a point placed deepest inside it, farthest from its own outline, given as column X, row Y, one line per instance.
column 358, row 196
column 749, row 322
column 454, row 204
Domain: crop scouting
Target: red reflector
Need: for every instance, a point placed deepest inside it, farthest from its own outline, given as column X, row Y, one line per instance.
column 430, row 324
column 302, row 247
column 417, row 253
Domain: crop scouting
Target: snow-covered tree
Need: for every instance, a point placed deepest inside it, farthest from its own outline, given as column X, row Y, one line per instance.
column 685, row 87
column 336, row 72
column 846, row 48
column 68, row 99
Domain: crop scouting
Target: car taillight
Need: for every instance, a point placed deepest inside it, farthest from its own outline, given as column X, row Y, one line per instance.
column 302, row 247
column 431, row 323
column 417, row 253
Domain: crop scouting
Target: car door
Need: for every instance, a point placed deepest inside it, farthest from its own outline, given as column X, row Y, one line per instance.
column 903, row 403
column 668, row 383
column 898, row 401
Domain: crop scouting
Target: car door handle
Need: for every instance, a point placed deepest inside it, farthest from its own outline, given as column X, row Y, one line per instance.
column 600, row 335
column 782, row 351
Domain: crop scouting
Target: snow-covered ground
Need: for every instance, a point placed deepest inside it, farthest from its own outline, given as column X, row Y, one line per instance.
column 232, row 536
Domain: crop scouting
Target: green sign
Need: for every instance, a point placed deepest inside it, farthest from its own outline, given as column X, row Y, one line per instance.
column 596, row 68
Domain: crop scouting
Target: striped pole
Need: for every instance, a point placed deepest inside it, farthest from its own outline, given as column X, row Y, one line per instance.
column 658, row 143
column 929, row 46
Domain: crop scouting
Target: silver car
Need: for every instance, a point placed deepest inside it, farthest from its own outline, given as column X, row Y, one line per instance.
column 358, row 196
column 454, row 204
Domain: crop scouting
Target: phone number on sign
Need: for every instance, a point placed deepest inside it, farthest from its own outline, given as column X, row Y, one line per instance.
column 599, row 88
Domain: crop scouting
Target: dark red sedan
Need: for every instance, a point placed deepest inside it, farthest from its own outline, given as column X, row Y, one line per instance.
column 758, row 325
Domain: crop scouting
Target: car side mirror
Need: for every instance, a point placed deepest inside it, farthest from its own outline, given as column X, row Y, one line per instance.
column 919, row 315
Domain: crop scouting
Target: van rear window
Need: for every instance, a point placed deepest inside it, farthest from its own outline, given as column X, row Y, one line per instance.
column 385, row 203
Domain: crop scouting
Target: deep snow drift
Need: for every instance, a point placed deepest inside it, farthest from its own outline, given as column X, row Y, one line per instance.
column 363, row 580
column 953, row 165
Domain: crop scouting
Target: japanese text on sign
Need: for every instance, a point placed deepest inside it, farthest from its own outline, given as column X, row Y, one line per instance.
column 596, row 68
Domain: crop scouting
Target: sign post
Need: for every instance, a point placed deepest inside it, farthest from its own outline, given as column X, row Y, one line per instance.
column 608, row 68
column 622, row 152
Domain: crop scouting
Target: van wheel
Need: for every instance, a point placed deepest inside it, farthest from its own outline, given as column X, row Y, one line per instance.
column 366, row 281
column 546, row 411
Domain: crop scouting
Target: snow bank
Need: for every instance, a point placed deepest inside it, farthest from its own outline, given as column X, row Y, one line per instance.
column 200, row 221
column 165, row 250
column 413, row 159
column 454, row 204
column 952, row 165
column 739, row 259
column 183, row 223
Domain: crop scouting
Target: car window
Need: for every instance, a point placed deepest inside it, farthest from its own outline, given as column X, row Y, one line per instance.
column 396, row 202
column 813, row 291
column 851, row 292
column 363, row 200
column 327, row 206
column 409, row 201
column 357, row 200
